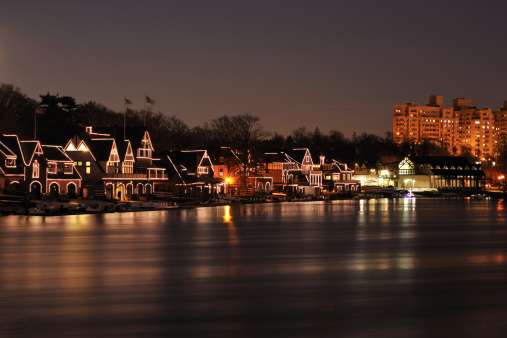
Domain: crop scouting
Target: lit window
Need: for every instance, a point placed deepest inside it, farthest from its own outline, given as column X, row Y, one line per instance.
column 35, row 169
column 52, row 168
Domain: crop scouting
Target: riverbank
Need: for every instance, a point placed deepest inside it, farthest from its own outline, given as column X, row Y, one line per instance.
column 44, row 207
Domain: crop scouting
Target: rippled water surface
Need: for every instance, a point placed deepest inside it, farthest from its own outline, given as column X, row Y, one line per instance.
column 377, row 268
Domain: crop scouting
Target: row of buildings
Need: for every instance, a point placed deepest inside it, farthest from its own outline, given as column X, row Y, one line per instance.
column 461, row 128
column 120, row 163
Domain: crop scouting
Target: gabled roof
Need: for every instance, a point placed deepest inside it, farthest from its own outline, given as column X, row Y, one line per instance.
column 100, row 148
column 184, row 164
column 342, row 166
column 134, row 134
column 189, row 160
column 13, row 144
column 275, row 157
column 55, row 154
column 7, row 153
column 29, row 149
column 298, row 155
column 123, row 147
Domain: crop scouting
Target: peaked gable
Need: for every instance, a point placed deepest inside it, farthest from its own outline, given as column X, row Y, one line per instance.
column 30, row 149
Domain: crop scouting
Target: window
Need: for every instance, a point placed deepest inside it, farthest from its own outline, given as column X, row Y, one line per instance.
column 52, row 168
column 35, row 169
column 202, row 170
column 67, row 168
column 88, row 170
column 221, row 173
column 10, row 162
column 144, row 153
column 88, row 163
column 273, row 166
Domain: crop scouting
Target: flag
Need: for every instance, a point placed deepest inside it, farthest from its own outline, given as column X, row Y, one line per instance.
column 39, row 111
column 149, row 100
column 127, row 101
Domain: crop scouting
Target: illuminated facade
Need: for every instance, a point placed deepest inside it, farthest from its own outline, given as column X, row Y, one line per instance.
column 112, row 165
column 433, row 122
column 36, row 169
column 440, row 172
column 501, row 126
column 190, row 172
column 294, row 171
column 459, row 128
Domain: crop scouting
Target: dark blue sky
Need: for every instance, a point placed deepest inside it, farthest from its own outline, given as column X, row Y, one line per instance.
column 329, row 64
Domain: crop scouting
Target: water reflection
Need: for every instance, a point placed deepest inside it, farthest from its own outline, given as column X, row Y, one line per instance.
column 339, row 268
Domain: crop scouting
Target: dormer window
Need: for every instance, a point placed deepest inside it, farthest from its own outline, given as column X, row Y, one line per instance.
column 202, row 170
column 10, row 162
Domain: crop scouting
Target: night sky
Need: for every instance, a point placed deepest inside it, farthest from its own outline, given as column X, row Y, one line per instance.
column 330, row 64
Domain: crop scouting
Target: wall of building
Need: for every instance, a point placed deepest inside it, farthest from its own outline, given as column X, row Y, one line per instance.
column 460, row 128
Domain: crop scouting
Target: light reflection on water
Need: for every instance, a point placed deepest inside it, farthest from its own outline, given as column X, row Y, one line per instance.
column 403, row 267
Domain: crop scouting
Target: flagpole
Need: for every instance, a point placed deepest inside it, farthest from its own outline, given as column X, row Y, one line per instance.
column 35, row 128
column 124, row 118
column 144, row 122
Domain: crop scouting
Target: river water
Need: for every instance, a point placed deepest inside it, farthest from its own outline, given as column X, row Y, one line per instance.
column 375, row 268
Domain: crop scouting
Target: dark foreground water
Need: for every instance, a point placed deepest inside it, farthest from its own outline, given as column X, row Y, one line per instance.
column 378, row 268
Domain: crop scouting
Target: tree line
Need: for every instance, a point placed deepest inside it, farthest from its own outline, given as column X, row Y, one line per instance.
column 62, row 118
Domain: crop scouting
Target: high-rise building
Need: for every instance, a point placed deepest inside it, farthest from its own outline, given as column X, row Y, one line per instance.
column 501, row 126
column 432, row 122
column 459, row 128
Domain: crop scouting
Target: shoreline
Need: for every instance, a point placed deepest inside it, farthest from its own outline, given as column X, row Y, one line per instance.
column 94, row 207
